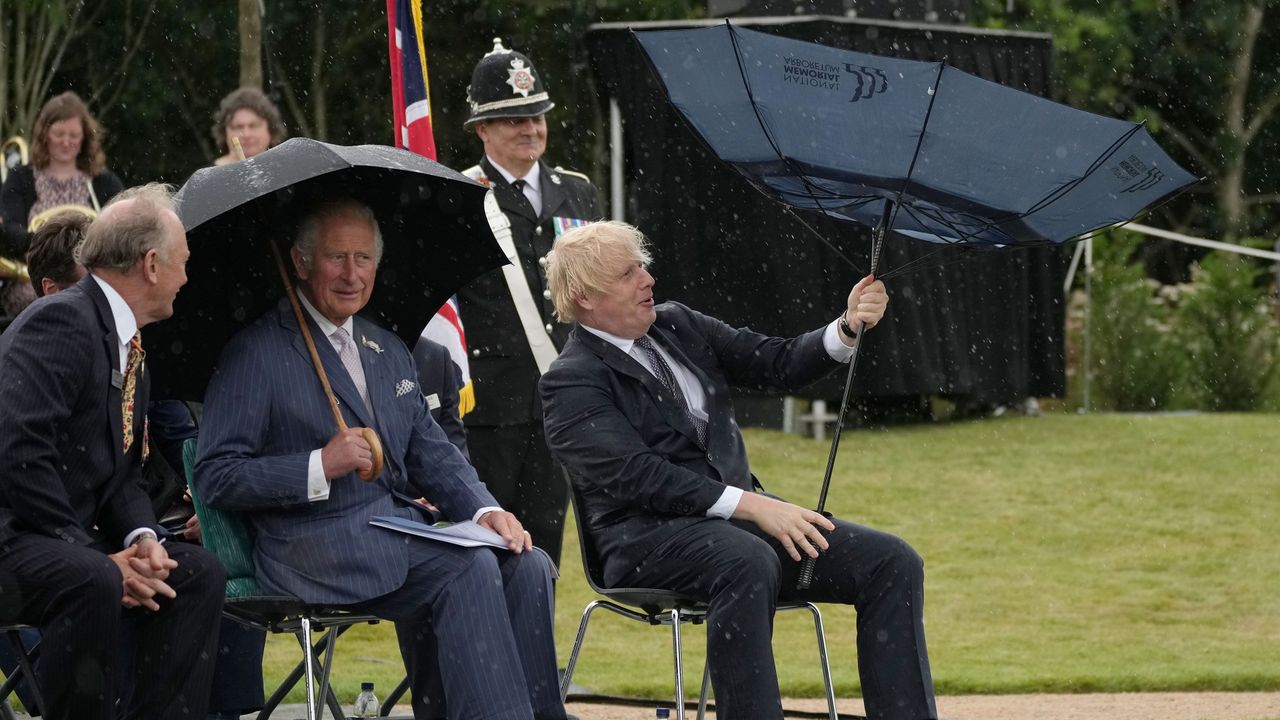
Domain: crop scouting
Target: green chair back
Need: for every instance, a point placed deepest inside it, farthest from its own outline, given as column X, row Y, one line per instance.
column 225, row 534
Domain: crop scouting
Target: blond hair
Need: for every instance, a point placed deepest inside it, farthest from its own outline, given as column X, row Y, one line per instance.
column 585, row 259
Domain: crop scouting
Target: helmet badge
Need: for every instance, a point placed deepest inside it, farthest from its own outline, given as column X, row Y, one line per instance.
column 520, row 78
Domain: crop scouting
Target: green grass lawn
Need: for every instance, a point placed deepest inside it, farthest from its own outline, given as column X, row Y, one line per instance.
column 1063, row 553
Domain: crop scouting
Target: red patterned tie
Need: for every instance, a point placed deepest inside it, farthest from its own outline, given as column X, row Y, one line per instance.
column 133, row 368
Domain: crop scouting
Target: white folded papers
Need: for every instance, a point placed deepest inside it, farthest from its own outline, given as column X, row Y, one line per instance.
column 465, row 534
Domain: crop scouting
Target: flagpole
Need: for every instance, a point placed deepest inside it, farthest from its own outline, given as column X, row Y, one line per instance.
column 809, row 564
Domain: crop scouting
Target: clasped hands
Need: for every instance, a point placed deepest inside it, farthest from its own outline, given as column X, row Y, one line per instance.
column 145, row 566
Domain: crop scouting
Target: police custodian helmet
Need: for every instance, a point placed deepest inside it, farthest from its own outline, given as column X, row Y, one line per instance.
column 505, row 85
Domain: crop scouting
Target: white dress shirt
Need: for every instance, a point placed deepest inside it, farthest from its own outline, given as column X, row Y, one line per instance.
column 696, row 398
column 532, row 183
column 126, row 327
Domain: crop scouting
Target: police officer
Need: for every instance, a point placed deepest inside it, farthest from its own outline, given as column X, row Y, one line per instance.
column 508, row 315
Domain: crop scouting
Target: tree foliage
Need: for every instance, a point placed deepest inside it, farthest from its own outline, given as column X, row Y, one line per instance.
column 153, row 72
column 1203, row 74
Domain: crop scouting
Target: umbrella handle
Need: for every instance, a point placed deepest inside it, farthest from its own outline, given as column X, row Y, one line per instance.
column 375, row 445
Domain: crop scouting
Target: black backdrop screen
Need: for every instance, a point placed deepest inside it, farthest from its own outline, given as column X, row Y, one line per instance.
column 982, row 326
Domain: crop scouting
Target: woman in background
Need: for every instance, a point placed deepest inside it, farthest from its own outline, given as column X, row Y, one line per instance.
column 68, row 168
column 249, row 115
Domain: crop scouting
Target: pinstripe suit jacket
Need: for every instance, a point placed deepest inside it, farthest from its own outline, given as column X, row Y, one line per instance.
column 265, row 412
column 63, row 472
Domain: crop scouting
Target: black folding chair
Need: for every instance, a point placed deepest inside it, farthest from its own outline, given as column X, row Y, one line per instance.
column 25, row 672
column 227, row 536
column 663, row 607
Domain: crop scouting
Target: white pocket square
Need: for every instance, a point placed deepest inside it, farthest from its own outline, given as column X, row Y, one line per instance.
column 404, row 387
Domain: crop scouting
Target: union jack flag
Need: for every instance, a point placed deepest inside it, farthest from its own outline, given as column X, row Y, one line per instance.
column 411, row 101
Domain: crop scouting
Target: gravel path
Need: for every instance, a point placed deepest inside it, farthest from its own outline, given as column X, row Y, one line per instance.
column 1127, row 706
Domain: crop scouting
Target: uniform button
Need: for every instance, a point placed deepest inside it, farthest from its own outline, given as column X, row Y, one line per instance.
column 542, row 261
column 537, row 230
column 546, row 294
column 475, row 352
column 549, row 328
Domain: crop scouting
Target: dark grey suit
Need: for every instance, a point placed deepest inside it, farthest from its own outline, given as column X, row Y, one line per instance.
column 646, row 486
column 265, row 413
column 69, row 496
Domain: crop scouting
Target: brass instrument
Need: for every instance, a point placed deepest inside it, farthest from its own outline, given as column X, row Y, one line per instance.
column 42, row 218
column 13, row 153
column 13, row 270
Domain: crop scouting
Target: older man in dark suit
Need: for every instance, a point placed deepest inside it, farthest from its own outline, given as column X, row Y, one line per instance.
column 269, row 448
column 79, row 545
column 639, row 408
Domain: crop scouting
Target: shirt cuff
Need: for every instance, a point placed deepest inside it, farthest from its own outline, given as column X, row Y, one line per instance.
column 835, row 347
column 727, row 503
column 486, row 509
column 128, row 539
column 317, row 483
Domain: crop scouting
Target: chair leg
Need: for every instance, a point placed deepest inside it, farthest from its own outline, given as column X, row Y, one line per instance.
column 706, row 684
column 822, row 657
column 309, row 672
column 390, row 703
column 577, row 647
column 24, row 671
column 675, row 642
column 325, row 670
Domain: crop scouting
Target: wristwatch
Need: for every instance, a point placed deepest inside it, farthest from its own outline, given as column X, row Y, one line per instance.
column 845, row 329
column 145, row 535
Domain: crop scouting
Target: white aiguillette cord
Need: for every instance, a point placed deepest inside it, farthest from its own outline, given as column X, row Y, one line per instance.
column 544, row 351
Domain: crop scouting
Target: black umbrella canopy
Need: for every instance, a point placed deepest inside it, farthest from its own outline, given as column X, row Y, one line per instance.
column 435, row 232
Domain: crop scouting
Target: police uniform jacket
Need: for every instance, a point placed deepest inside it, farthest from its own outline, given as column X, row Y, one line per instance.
column 502, row 366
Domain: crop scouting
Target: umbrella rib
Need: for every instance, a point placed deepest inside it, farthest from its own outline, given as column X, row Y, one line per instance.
column 1061, row 192
column 1056, row 195
column 961, row 236
column 897, row 200
column 789, row 162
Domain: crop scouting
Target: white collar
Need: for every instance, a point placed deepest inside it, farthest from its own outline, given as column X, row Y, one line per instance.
column 121, row 314
column 323, row 322
column 533, row 179
column 621, row 343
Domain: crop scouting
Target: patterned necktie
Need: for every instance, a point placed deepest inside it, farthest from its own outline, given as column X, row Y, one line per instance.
column 132, row 368
column 663, row 372
column 351, row 361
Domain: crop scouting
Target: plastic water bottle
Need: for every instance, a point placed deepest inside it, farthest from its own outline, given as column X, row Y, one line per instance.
column 366, row 702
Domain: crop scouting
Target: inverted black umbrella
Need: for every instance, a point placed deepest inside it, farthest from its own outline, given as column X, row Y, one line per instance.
column 436, row 239
column 914, row 149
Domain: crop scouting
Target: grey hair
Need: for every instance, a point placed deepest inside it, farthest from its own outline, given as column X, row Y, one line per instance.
column 118, row 240
column 309, row 228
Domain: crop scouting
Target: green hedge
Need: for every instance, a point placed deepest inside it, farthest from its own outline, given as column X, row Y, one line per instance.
column 1210, row 344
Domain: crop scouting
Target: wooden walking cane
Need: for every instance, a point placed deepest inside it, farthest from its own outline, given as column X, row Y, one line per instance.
column 375, row 445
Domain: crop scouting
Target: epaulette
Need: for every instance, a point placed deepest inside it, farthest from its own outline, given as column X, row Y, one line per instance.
column 475, row 172
column 578, row 175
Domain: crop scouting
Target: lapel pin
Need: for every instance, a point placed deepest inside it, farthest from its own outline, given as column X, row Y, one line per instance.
column 370, row 344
